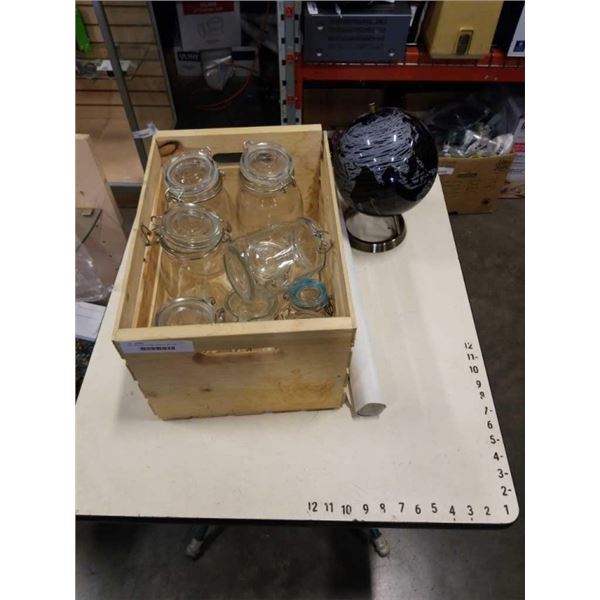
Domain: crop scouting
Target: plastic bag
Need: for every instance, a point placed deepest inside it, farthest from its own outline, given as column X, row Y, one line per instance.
column 475, row 126
column 88, row 285
column 474, row 144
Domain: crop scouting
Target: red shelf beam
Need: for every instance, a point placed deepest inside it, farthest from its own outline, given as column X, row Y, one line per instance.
column 417, row 66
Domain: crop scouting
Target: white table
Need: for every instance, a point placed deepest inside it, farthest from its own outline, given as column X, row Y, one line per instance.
column 435, row 455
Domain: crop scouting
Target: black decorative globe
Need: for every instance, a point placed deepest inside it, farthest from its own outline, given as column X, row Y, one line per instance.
column 385, row 162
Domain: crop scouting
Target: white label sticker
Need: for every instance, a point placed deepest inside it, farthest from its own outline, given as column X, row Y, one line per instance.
column 87, row 320
column 163, row 346
column 445, row 170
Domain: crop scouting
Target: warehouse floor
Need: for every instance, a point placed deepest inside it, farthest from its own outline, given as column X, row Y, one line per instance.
column 147, row 560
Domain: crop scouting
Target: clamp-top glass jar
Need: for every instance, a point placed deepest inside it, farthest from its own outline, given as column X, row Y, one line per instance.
column 263, row 307
column 308, row 299
column 192, row 240
column 188, row 311
column 194, row 177
column 268, row 191
column 271, row 259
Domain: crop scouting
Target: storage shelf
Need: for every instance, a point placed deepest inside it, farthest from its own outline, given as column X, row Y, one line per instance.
column 417, row 66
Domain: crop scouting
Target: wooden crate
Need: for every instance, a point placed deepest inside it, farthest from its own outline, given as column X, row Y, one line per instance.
column 237, row 368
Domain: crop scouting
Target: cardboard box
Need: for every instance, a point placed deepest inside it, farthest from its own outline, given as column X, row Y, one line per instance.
column 460, row 29
column 208, row 25
column 472, row 185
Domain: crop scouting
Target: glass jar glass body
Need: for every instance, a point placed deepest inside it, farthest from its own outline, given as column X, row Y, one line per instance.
column 192, row 246
column 268, row 192
column 257, row 209
column 271, row 259
column 263, row 307
column 191, row 275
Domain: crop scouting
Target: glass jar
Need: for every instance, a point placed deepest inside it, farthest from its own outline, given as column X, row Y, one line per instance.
column 309, row 299
column 192, row 240
column 187, row 311
column 268, row 193
column 194, row 177
column 271, row 259
column 263, row 307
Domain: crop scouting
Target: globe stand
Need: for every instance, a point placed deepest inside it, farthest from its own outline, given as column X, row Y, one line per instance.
column 372, row 234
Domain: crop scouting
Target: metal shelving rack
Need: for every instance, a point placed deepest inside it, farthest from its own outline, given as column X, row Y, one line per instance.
column 288, row 37
column 294, row 72
column 417, row 66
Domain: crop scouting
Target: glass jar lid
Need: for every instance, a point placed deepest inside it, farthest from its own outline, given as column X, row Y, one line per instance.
column 308, row 294
column 192, row 176
column 186, row 311
column 262, row 306
column 189, row 228
column 266, row 166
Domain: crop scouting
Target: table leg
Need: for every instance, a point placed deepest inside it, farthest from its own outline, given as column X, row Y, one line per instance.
column 199, row 541
column 194, row 548
column 378, row 541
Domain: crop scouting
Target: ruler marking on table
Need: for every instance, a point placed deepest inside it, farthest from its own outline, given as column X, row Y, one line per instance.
column 497, row 451
column 436, row 511
column 427, row 512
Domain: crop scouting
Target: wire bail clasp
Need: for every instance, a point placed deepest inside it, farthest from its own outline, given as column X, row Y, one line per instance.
column 150, row 234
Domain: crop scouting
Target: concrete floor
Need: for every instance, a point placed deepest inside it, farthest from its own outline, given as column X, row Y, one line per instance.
column 130, row 561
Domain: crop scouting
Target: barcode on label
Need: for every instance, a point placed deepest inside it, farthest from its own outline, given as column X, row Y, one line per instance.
column 148, row 347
